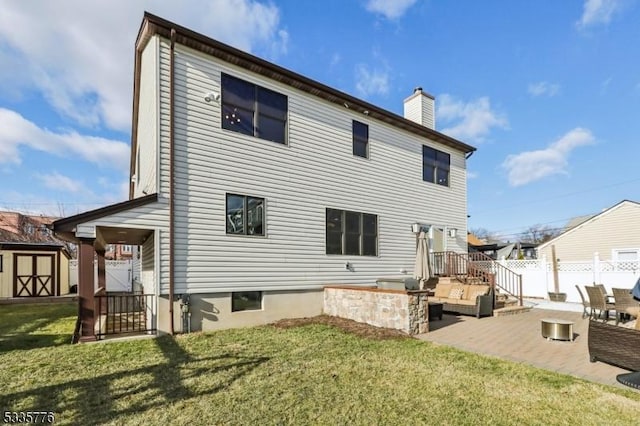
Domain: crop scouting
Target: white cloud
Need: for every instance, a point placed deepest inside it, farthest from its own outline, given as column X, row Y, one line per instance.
column 17, row 131
column 371, row 82
column 79, row 54
column 531, row 166
column 468, row 121
column 59, row 182
column 472, row 175
column 597, row 12
column 391, row 9
column 543, row 88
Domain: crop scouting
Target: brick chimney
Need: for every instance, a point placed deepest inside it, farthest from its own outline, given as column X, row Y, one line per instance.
column 420, row 108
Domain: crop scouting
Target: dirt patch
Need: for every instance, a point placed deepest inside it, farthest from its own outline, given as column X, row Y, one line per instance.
column 347, row 325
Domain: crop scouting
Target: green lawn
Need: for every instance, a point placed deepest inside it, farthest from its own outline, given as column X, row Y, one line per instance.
column 315, row 374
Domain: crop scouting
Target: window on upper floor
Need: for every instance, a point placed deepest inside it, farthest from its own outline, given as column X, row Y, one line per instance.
column 360, row 139
column 126, row 248
column 351, row 233
column 435, row 166
column 245, row 215
column 253, row 110
column 1, row 263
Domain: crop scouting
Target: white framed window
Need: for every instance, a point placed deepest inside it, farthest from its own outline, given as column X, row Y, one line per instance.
column 626, row 255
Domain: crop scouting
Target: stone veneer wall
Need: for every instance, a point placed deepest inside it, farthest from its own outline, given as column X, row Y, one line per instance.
column 397, row 309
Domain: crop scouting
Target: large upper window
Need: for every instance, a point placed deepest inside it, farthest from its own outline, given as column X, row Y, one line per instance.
column 351, row 233
column 253, row 110
column 360, row 139
column 435, row 166
column 245, row 215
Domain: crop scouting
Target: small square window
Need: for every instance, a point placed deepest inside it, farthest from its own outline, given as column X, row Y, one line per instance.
column 246, row 301
column 245, row 215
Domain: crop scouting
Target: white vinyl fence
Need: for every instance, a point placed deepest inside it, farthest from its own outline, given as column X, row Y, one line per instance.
column 537, row 275
column 120, row 274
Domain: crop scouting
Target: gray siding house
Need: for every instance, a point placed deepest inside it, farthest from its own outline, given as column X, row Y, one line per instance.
column 252, row 186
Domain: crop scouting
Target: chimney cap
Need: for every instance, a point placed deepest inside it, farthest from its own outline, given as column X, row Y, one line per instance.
column 417, row 89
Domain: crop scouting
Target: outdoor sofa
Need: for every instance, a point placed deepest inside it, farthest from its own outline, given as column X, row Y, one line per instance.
column 614, row 344
column 465, row 299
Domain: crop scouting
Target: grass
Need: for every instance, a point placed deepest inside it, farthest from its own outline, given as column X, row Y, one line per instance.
column 313, row 374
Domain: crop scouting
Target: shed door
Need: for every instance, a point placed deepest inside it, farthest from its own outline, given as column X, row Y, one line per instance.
column 33, row 275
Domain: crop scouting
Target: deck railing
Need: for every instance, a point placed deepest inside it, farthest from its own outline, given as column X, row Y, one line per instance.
column 468, row 266
column 123, row 313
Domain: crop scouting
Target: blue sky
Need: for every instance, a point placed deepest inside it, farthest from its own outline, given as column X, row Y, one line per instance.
column 548, row 91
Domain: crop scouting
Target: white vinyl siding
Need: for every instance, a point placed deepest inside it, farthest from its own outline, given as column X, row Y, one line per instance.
column 147, row 263
column 298, row 181
column 147, row 137
column 613, row 229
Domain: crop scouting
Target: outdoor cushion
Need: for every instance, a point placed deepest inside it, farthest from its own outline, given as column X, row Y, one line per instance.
column 442, row 290
column 465, row 292
column 477, row 290
column 629, row 324
column 456, row 293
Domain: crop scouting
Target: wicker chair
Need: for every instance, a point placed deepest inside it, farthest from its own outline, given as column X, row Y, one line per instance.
column 598, row 302
column 587, row 311
column 625, row 303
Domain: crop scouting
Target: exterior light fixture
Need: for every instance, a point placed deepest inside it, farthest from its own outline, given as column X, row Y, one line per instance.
column 453, row 232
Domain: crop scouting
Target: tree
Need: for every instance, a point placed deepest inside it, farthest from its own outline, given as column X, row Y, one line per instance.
column 483, row 234
column 539, row 234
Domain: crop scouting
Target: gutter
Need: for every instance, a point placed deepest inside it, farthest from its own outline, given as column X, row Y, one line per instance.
column 171, row 177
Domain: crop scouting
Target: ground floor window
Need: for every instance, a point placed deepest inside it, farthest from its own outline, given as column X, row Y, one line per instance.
column 351, row 233
column 246, row 301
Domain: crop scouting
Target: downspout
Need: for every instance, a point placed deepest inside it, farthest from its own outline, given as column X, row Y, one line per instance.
column 171, row 176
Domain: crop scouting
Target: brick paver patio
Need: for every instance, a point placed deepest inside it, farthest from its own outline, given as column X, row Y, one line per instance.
column 518, row 338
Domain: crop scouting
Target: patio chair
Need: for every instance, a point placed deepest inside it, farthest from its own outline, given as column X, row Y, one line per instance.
column 587, row 311
column 608, row 297
column 625, row 303
column 598, row 302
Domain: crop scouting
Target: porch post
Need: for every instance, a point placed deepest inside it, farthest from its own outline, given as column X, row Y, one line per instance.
column 102, row 279
column 86, row 290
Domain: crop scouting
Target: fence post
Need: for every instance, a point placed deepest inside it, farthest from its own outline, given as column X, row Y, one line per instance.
column 545, row 268
column 596, row 267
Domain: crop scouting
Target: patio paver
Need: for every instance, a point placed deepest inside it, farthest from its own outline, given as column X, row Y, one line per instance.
column 519, row 338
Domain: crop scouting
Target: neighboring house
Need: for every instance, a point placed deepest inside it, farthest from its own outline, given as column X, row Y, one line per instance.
column 119, row 252
column 614, row 234
column 252, row 186
column 33, row 263
column 510, row 251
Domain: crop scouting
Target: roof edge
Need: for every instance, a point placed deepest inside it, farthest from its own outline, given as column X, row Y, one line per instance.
column 65, row 224
column 153, row 24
